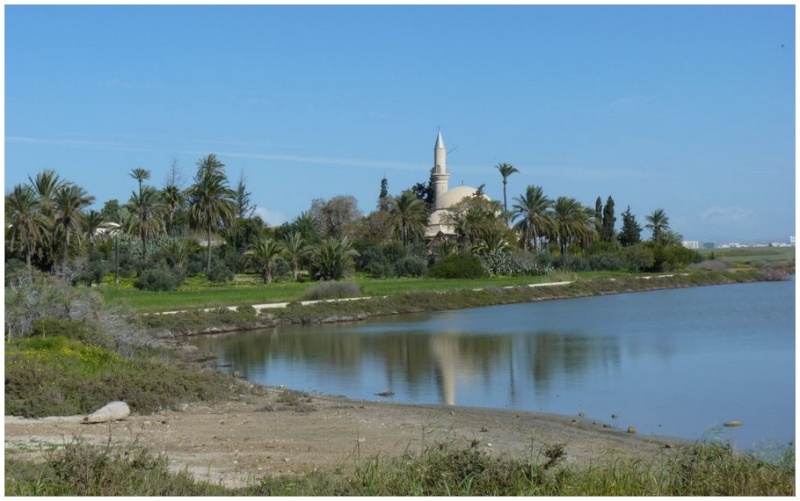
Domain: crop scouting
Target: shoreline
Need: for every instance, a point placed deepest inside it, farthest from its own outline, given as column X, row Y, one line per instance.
column 186, row 323
column 272, row 431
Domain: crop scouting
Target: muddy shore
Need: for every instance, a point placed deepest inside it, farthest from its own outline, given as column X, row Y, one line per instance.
column 272, row 431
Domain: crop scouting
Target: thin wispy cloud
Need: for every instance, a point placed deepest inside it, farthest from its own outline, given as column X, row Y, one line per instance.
column 76, row 143
column 342, row 162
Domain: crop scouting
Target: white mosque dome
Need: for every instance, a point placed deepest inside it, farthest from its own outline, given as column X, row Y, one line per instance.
column 457, row 194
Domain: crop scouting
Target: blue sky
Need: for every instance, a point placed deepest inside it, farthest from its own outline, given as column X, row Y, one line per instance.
column 686, row 108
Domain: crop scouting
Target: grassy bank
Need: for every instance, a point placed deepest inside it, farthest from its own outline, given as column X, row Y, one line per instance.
column 700, row 470
column 421, row 300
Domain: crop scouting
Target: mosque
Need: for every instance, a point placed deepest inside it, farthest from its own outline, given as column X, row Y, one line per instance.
column 444, row 197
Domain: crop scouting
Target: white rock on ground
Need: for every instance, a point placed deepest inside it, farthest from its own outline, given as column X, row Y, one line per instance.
column 113, row 411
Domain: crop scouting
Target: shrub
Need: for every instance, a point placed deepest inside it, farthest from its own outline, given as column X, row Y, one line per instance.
column 332, row 290
column 60, row 377
column 457, row 266
column 611, row 261
column 220, row 273
column 159, row 279
column 497, row 262
column 411, row 266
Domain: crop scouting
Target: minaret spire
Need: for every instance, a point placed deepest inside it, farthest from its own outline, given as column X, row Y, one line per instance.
column 440, row 174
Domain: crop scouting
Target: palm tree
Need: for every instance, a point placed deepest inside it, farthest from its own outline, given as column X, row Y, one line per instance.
column 408, row 216
column 46, row 184
column 211, row 205
column 173, row 199
column 122, row 219
column 570, row 221
column 658, row 222
column 210, row 164
column 264, row 252
column 306, row 224
column 147, row 209
column 532, row 210
column 140, row 175
column 92, row 222
column 491, row 240
column 70, row 201
column 505, row 171
column 177, row 252
column 332, row 257
column 295, row 249
column 25, row 222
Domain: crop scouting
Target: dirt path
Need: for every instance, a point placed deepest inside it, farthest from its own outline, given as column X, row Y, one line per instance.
column 272, row 431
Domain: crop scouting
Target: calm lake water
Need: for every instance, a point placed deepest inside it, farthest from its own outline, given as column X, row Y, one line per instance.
column 675, row 362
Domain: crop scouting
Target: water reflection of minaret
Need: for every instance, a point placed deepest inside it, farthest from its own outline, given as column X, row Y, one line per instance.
column 444, row 353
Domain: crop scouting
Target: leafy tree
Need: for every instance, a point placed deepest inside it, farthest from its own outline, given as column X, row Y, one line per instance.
column 426, row 191
column 658, row 222
column 26, row 225
column 295, row 249
column 408, row 216
column 457, row 266
column 533, row 211
column 264, row 253
column 332, row 258
column 505, row 171
column 244, row 207
column 631, row 232
column 147, row 210
column 70, row 200
column 335, row 216
column 211, row 202
column 607, row 232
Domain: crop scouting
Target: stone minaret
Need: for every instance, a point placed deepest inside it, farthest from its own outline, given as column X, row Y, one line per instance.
column 440, row 174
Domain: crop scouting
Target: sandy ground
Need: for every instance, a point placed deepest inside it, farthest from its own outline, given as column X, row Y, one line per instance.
column 261, row 432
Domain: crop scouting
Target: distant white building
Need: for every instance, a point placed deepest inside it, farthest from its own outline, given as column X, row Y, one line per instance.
column 691, row 244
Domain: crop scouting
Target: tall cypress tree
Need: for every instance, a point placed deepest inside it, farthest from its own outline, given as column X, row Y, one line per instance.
column 598, row 215
column 607, row 232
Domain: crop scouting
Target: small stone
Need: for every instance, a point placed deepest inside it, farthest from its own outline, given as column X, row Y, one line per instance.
column 581, row 414
column 632, row 430
column 668, row 446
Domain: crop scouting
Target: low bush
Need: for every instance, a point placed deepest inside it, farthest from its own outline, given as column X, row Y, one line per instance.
column 457, row 266
column 220, row 273
column 410, row 266
column 159, row 279
column 332, row 290
column 57, row 376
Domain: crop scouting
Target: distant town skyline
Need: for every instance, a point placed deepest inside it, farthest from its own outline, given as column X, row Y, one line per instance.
column 681, row 107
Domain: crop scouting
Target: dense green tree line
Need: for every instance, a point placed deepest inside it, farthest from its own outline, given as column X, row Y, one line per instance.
column 161, row 235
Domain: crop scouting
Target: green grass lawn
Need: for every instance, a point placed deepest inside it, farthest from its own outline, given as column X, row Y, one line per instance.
column 196, row 293
column 751, row 254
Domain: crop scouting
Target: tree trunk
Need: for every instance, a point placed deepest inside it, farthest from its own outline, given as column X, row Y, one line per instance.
column 116, row 260
column 208, row 250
